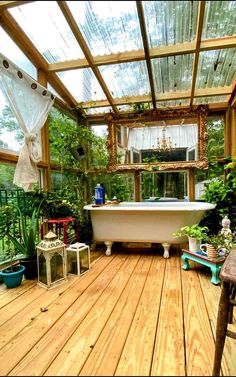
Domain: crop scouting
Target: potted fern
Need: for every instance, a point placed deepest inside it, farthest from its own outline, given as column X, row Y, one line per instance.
column 195, row 233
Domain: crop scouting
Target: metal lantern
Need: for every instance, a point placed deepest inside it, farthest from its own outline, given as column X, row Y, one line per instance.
column 78, row 258
column 51, row 260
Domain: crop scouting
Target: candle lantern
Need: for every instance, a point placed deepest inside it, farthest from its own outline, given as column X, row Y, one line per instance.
column 52, row 261
column 78, row 258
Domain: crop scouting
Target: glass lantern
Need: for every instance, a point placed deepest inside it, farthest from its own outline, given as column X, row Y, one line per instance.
column 52, row 261
column 78, row 258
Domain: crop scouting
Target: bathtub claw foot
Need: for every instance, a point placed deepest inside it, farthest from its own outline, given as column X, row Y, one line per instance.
column 166, row 247
column 108, row 245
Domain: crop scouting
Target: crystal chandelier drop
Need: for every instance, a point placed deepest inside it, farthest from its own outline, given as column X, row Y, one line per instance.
column 164, row 143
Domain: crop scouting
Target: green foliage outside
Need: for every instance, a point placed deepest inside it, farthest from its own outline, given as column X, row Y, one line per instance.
column 8, row 225
column 215, row 148
column 222, row 193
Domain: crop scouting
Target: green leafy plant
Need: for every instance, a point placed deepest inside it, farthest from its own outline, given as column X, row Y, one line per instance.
column 26, row 244
column 195, row 231
column 8, row 224
column 219, row 241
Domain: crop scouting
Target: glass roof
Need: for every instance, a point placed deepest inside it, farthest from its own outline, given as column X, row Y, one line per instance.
column 116, row 54
column 12, row 51
column 82, row 84
column 219, row 19
column 179, row 18
column 108, row 26
column 211, row 99
column 126, row 79
column 216, row 68
column 45, row 25
column 172, row 73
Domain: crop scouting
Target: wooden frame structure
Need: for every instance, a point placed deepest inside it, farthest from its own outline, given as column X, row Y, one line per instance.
column 47, row 74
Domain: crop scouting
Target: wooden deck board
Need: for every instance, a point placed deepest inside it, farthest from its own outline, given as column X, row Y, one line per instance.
column 198, row 333
column 168, row 357
column 105, row 355
column 136, row 358
column 133, row 313
column 75, row 353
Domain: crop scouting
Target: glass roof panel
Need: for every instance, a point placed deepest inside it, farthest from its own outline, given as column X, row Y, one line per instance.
column 98, row 110
column 170, row 22
column 219, row 19
column 173, row 103
column 45, row 25
column 216, row 68
column 82, row 84
column 12, row 52
column 207, row 100
column 135, row 107
column 172, row 73
column 126, row 79
column 108, row 26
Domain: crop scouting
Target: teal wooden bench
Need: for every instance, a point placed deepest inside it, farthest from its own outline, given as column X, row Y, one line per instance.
column 215, row 264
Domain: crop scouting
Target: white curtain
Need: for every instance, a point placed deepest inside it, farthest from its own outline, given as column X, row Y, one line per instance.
column 30, row 103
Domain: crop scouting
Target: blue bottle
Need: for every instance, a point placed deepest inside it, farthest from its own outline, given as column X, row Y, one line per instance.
column 99, row 194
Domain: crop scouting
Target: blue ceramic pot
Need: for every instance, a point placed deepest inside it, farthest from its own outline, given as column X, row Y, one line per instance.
column 12, row 279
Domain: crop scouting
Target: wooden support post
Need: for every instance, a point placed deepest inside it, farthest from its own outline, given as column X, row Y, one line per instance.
column 233, row 132
column 191, row 185
column 137, row 196
column 42, row 79
column 227, row 132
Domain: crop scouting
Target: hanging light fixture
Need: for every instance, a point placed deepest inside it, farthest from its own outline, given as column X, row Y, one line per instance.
column 164, row 143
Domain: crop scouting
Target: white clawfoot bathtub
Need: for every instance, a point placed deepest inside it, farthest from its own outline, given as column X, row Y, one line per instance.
column 144, row 222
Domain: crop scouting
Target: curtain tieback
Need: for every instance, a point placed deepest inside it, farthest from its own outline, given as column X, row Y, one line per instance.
column 33, row 146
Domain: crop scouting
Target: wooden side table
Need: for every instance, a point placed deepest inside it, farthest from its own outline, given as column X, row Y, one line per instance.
column 225, row 309
column 215, row 264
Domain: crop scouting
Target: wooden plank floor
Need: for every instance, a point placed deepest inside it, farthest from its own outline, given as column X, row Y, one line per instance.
column 134, row 313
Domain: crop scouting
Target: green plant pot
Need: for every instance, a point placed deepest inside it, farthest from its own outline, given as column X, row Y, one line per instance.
column 13, row 279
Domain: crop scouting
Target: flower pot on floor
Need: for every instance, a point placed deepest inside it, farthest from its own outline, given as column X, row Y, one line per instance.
column 31, row 267
column 12, row 279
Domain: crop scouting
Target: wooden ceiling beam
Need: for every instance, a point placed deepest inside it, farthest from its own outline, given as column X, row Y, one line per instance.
column 80, row 39
column 146, row 50
column 213, row 107
column 233, row 94
column 13, row 29
column 205, row 92
column 27, row 47
column 218, row 43
column 11, row 4
column 201, row 11
column 155, row 52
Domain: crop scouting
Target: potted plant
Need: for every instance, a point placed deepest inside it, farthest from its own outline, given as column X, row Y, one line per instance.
column 12, row 274
column 26, row 244
column 195, row 233
column 218, row 244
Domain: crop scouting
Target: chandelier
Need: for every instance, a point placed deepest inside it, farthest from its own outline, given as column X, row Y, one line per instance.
column 164, row 143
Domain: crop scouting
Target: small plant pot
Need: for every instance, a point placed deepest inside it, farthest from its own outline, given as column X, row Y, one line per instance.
column 13, row 279
column 194, row 244
column 31, row 267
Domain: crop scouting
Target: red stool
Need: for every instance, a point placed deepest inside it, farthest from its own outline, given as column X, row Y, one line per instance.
column 64, row 222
